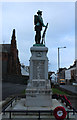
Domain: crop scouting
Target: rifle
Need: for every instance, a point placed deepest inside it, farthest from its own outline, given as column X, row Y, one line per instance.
column 43, row 36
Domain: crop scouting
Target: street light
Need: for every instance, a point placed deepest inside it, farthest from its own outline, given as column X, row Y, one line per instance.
column 59, row 57
column 59, row 61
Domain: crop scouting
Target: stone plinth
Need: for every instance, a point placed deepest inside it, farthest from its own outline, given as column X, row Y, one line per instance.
column 38, row 92
column 38, row 63
column 39, row 96
column 38, row 100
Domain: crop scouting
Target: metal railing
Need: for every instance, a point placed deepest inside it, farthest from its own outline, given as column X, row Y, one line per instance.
column 28, row 112
column 9, row 103
column 31, row 111
column 35, row 111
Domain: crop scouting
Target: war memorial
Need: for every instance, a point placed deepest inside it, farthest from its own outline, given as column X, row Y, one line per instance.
column 39, row 90
column 38, row 102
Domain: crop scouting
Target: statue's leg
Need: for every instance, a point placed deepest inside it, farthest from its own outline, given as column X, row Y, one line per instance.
column 39, row 37
column 36, row 38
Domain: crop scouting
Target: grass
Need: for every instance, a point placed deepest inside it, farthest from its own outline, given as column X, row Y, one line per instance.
column 57, row 91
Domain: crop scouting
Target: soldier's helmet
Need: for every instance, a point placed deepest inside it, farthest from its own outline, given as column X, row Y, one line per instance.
column 39, row 12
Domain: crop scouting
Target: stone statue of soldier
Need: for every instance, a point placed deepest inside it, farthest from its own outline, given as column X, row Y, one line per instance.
column 38, row 21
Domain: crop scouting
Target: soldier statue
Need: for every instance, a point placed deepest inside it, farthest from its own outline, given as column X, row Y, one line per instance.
column 38, row 21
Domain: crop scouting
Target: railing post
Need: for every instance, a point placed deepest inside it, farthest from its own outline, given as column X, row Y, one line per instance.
column 67, row 114
column 4, row 112
column 51, row 112
column 26, row 112
column 16, row 99
column 39, row 115
column 73, row 111
column 10, row 114
column 11, row 103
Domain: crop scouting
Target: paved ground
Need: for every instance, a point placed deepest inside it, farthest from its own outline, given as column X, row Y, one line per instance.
column 11, row 89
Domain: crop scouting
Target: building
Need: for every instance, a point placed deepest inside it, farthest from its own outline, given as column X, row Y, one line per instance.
column 53, row 78
column 70, row 73
column 24, row 70
column 9, row 56
column 62, row 73
column 76, row 70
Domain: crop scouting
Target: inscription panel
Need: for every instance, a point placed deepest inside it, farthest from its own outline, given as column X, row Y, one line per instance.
column 38, row 69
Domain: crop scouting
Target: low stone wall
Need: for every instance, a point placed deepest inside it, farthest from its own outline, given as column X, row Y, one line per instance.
column 17, row 79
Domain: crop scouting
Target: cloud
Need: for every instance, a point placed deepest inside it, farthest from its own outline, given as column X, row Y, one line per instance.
column 60, row 32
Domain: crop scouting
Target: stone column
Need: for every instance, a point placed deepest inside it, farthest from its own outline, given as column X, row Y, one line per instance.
column 38, row 62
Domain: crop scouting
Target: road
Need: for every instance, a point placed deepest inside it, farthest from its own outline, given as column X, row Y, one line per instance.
column 11, row 89
column 70, row 88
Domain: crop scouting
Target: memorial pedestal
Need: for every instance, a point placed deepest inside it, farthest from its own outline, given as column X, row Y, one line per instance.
column 38, row 92
column 39, row 63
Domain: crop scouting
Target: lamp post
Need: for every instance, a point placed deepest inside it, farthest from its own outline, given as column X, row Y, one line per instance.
column 59, row 60
column 59, row 57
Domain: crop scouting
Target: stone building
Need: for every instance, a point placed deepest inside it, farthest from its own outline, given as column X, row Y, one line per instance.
column 9, row 56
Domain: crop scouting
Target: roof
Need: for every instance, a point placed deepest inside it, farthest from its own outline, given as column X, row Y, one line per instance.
column 73, row 68
column 5, row 48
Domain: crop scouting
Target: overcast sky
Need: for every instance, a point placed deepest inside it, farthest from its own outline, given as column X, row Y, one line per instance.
column 60, row 32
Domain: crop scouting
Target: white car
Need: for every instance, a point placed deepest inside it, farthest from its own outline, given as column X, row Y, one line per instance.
column 74, row 83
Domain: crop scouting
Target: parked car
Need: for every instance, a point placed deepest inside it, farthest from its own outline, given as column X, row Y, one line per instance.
column 74, row 84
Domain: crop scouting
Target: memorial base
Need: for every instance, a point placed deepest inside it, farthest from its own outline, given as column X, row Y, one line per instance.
column 39, row 94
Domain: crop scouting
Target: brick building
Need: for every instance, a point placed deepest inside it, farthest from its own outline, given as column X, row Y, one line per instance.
column 68, row 74
column 9, row 56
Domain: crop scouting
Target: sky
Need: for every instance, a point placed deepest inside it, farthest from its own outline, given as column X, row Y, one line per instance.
column 60, row 32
